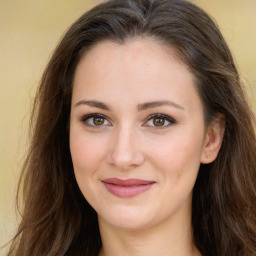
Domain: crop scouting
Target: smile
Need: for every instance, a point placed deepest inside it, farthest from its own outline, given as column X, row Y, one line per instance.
column 127, row 188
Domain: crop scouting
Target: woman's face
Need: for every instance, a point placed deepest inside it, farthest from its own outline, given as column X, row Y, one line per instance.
column 137, row 134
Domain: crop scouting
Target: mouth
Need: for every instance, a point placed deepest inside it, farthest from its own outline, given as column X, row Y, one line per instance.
column 127, row 188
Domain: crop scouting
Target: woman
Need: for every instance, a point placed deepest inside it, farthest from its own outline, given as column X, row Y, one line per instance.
column 143, row 140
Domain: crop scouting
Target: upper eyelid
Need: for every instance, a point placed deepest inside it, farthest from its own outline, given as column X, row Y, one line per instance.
column 160, row 115
column 84, row 117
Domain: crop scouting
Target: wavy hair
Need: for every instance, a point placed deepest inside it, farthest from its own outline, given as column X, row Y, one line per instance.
column 56, row 218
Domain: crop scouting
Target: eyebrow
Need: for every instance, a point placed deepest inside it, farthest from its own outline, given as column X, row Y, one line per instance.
column 93, row 103
column 140, row 107
column 154, row 104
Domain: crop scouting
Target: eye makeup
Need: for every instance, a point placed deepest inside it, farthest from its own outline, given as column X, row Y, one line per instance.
column 95, row 120
column 159, row 121
column 156, row 121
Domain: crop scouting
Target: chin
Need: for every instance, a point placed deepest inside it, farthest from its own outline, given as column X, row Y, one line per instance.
column 127, row 219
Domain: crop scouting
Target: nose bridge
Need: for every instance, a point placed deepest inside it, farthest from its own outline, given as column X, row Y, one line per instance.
column 125, row 151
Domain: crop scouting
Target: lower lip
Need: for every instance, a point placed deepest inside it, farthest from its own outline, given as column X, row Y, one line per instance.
column 127, row 191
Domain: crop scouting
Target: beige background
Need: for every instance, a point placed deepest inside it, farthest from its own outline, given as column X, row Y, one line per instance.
column 30, row 30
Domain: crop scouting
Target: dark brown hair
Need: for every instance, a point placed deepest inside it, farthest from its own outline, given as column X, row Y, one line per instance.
column 56, row 218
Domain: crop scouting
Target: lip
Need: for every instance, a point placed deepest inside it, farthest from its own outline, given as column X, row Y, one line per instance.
column 127, row 188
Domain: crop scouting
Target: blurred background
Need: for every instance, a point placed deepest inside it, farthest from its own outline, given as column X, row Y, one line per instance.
column 29, row 32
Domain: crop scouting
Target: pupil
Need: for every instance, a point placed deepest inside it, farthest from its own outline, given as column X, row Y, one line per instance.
column 158, row 121
column 98, row 121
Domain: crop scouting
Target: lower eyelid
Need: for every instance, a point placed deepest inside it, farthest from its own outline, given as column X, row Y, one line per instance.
column 160, row 126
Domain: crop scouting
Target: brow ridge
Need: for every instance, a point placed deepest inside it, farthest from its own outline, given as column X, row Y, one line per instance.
column 153, row 104
column 93, row 103
column 140, row 107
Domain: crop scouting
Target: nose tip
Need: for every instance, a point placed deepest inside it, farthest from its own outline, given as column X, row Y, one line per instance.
column 125, row 152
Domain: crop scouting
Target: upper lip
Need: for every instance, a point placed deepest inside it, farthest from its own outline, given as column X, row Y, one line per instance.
column 127, row 182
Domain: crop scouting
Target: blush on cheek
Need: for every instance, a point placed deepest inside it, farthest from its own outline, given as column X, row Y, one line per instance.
column 171, row 151
column 86, row 153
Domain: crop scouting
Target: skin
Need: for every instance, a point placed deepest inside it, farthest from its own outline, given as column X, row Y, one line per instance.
column 126, row 144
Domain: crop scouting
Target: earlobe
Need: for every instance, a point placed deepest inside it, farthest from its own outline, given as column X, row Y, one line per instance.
column 213, row 139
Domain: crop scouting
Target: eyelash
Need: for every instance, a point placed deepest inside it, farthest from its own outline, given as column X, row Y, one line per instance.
column 163, row 117
column 87, row 118
column 167, row 118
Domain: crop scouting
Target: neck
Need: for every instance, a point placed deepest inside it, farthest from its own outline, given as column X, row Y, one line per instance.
column 172, row 237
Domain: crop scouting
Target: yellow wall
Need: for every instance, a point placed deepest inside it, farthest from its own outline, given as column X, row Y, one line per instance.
column 29, row 31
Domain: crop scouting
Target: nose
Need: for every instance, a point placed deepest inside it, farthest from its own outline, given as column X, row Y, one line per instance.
column 125, row 152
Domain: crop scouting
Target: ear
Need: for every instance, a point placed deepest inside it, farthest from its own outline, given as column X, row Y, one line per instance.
column 213, row 139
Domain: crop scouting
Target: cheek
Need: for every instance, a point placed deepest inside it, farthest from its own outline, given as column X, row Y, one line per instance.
column 176, row 151
column 178, row 155
column 86, row 152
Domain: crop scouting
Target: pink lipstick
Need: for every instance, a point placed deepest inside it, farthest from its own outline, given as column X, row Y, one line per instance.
column 127, row 188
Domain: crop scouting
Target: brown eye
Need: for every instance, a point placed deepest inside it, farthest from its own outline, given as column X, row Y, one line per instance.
column 95, row 120
column 98, row 120
column 158, row 121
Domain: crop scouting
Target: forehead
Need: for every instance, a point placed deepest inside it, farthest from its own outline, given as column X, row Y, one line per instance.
column 146, row 52
column 142, row 69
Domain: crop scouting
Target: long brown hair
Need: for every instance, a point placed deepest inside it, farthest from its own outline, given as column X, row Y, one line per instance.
column 56, row 219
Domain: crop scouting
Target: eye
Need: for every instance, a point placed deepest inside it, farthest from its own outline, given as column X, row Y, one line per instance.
column 95, row 120
column 159, row 121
